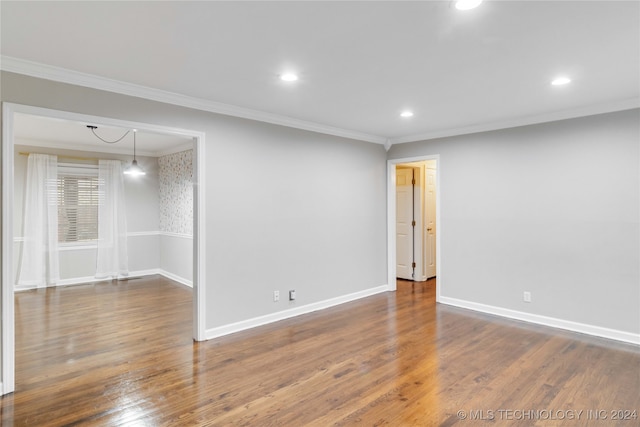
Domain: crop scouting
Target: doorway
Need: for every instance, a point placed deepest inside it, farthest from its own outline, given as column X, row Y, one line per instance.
column 7, row 381
column 413, row 220
column 416, row 220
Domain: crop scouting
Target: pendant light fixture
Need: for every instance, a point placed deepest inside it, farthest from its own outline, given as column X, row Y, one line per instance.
column 134, row 169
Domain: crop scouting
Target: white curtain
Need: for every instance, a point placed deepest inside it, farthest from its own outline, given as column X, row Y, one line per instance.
column 112, row 260
column 39, row 265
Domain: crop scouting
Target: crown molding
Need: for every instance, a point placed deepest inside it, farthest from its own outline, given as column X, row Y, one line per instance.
column 608, row 107
column 106, row 149
column 60, row 145
column 63, row 75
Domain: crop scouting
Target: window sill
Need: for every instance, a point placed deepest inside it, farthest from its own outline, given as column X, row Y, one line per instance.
column 77, row 246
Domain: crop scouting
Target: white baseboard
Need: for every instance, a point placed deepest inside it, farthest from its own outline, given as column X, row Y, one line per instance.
column 142, row 273
column 132, row 274
column 286, row 314
column 181, row 280
column 64, row 282
column 176, row 278
column 553, row 322
column 91, row 279
column 79, row 281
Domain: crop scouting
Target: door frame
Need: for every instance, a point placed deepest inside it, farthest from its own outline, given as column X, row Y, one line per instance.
column 391, row 220
column 7, row 378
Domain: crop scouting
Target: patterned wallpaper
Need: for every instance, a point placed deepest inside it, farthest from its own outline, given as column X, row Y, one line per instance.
column 176, row 192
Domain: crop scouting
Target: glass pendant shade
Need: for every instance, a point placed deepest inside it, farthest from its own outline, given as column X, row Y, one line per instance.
column 134, row 169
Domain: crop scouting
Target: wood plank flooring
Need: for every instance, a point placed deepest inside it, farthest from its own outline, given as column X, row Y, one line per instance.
column 121, row 354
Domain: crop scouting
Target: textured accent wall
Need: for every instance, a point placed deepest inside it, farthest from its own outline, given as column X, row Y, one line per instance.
column 176, row 192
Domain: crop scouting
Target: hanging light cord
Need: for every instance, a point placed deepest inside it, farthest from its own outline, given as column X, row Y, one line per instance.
column 134, row 143
column 93, row 129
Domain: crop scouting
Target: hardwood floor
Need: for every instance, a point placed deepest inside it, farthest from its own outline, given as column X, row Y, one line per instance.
column 121, row 354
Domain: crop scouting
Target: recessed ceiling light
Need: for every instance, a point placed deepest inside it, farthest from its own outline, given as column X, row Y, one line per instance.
column 467, row 4
column 406, row 114
column 559, row 81
column 288, row 77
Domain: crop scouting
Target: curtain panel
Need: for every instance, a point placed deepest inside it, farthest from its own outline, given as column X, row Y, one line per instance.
column 112, row 259
column 39, row 265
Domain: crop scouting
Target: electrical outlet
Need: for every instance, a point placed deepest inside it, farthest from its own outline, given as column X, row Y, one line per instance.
column 292, row 295
column 276, row 296
column 527, row 296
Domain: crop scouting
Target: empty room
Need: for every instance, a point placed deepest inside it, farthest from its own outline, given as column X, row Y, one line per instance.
column 320, row 213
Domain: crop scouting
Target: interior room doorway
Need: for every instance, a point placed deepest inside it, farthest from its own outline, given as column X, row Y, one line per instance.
column 413, row 216
column 416, row 220
column 10, row 111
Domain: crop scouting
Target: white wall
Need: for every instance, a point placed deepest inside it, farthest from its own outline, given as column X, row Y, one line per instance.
column 176, row 257
column 285, row 208
column 293, row 210
column 552, row 209
column 77, row 265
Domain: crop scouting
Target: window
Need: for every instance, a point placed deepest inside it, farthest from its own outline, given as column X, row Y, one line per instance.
column 77, row 203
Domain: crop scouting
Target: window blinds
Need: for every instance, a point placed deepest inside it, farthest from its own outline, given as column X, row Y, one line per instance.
column 77, row 203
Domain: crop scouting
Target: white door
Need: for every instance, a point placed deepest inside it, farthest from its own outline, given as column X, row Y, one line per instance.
column 404, row 227
column 430, row 219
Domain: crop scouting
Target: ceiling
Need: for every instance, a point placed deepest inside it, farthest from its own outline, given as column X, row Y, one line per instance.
column 360, row 63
